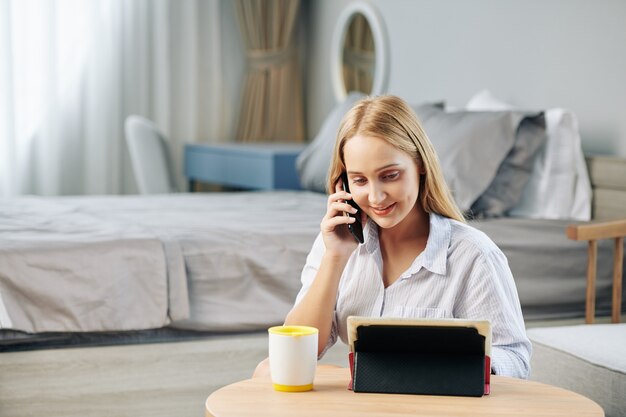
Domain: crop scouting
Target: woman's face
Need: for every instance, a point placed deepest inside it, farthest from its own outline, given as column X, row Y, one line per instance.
column 383, row 180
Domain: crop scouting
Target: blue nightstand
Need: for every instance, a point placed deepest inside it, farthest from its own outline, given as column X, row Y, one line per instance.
column 246, row 166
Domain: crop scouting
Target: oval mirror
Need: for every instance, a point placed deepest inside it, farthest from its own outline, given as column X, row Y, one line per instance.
column 359, row 52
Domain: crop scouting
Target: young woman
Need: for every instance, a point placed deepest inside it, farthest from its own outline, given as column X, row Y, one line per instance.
column 420, row 259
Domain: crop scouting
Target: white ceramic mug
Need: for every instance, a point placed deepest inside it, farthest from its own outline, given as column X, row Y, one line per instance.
column 293, row 357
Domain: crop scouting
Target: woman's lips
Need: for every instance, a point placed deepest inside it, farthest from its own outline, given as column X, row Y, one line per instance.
column 384, row 210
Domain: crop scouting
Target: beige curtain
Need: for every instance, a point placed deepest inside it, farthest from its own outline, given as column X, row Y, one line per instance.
column 358, row 56
column 272, row 105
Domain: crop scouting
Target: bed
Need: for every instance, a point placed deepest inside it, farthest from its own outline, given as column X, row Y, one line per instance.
column 231, row 262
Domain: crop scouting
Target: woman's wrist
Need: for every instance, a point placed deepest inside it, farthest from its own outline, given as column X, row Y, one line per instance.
column 336, row 258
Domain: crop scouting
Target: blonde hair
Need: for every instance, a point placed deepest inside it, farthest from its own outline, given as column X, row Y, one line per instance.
column 392, row 119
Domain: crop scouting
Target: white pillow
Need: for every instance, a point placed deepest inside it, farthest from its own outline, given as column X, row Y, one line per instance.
column 559, row 186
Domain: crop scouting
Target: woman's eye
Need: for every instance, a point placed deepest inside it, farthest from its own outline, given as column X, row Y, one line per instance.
column 391, row 176
column 358, row 181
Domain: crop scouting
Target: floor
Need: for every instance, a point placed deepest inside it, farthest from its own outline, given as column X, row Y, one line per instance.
column 162, row 379
column 165, row 379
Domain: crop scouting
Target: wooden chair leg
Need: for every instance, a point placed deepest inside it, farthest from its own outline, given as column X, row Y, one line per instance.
column 590, row 308
column 592, row 232
column 618, row 259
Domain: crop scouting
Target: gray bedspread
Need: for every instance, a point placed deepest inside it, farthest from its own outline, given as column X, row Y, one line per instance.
column 549, row 269
column 218, row 261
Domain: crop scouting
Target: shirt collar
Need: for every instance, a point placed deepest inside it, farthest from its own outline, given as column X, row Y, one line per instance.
column 371, row 236
column 435, row 255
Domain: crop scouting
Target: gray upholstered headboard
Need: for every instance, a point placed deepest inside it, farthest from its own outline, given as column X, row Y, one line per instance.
column 608, row 180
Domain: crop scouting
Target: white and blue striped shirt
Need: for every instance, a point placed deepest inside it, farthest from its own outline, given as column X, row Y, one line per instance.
column 460, row 274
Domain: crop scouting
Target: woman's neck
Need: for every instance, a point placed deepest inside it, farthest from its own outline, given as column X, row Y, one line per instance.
column 414, row 227
column 400, row 245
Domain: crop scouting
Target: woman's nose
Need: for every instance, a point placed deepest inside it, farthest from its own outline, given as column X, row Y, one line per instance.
column 376, row 194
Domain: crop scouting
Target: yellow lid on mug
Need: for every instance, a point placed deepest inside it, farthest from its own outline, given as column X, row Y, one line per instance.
column 293, row 330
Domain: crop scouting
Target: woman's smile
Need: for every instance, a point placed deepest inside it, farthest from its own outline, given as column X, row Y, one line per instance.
column 383, row 211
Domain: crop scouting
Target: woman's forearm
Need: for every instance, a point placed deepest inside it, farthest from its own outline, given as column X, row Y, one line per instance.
column 318, row 305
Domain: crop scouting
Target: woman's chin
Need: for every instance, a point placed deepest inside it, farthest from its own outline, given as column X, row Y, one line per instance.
column 384, row 222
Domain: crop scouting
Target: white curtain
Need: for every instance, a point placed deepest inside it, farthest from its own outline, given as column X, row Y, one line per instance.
column 72, row 70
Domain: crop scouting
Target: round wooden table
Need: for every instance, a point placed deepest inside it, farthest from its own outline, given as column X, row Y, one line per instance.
column 330, row 397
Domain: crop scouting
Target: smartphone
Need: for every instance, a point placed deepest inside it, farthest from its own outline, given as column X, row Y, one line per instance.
column 355, row 228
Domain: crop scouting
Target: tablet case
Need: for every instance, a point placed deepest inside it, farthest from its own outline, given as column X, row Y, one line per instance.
column 434, row 357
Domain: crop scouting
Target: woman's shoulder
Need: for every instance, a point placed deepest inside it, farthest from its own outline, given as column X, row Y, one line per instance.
column 465, row 236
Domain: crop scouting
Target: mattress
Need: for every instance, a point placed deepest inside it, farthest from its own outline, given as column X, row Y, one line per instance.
column 219, row 261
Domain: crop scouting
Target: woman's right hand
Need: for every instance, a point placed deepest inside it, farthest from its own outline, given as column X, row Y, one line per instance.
column 337, row 238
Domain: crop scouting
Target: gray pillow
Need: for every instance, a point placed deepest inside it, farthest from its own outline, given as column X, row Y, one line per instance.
column 313, row 162
column 471, row 146
column 486, row 157
column 507, row 188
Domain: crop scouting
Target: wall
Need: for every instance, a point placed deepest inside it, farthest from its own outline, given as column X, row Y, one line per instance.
column 532, row 53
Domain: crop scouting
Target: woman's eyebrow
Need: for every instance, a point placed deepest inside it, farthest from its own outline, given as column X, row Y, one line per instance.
column 395, row 164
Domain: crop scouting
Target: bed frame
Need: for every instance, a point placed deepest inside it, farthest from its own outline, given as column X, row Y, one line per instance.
column 608, row 181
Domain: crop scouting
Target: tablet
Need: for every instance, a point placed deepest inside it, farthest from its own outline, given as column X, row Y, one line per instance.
column 420, row 356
